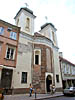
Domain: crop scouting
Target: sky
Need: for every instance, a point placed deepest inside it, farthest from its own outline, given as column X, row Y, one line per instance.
column 59, row 12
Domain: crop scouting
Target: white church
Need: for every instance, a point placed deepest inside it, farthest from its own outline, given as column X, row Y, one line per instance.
column 38, row 56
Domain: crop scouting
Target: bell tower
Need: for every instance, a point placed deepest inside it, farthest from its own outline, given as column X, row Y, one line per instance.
column 49, row 31
column 25, row 19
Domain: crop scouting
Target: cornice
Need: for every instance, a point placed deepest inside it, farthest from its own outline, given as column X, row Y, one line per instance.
column 38, row 40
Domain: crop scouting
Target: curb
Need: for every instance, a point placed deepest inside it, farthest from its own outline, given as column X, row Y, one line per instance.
column 48, row 97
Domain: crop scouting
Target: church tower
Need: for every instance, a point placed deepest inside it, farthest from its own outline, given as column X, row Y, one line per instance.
column 25, row 19
column 48, row 30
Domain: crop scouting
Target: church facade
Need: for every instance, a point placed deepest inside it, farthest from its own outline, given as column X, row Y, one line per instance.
column 38, row 56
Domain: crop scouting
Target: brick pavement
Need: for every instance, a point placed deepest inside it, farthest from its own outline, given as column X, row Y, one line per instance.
column 26, row 96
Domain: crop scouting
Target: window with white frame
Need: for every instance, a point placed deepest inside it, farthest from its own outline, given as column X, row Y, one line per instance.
column 10, row 53
column 68, row 68
column 13, row 35
column 24, row 77
column 73, row 70
column 53, row 36
column 65, row 69
column 27, row 25
column 37, row 57
column 1, row 30
column 69, row 71
column 57, row 78
column 27, row 22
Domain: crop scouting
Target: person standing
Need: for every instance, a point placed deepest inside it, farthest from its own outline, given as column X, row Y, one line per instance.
column 51, row 88
column 31, row 90
column 54, row 89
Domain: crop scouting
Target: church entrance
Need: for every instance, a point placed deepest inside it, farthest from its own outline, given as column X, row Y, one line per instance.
column 48, row 82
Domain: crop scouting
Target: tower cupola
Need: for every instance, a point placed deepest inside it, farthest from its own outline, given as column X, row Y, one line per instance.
column 25, row 19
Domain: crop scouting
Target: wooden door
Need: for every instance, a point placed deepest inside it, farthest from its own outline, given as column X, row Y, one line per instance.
column 6, row 78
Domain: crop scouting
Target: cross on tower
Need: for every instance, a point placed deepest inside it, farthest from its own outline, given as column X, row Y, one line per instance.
column 26, row 5
column 46, row 18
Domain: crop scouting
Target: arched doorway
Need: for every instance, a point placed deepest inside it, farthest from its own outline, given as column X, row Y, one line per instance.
column 48, row 82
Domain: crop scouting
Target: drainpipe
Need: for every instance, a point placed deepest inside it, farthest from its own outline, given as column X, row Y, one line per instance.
column 0, row 74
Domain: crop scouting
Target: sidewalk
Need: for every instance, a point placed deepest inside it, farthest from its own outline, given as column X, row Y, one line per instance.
column 26, row 96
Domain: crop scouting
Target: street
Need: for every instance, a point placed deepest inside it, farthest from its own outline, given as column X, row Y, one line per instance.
column 62, row 98
column 26, row 97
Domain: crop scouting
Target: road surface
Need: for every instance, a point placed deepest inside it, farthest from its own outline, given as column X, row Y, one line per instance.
column 62, row 98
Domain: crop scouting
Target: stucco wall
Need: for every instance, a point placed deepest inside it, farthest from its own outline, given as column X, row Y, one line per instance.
column 24, row 60
column 57, row 69
column 48, row 59
column 47, row 32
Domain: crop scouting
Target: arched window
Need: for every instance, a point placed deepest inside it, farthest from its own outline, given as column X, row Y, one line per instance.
column 53, row 35
column 27, row 23
column 17, row 22
column 37, row 57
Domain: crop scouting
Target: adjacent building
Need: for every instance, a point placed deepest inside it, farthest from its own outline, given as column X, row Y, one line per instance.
column 68, row 72
column 9, row 36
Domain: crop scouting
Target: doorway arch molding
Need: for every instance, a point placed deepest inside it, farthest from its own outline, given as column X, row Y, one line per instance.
column 49, row 74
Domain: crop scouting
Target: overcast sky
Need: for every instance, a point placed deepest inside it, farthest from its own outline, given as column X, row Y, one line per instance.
column 59, row 12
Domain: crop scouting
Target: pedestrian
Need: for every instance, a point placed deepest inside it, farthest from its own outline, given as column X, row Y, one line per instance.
column 54, row 89
column 1, row 93
column 31, row 89
column 51, row 90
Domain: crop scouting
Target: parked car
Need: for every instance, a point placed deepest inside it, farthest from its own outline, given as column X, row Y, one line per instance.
column 69, row 91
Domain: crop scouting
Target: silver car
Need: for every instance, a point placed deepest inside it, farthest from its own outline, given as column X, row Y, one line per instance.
column 70, row 91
